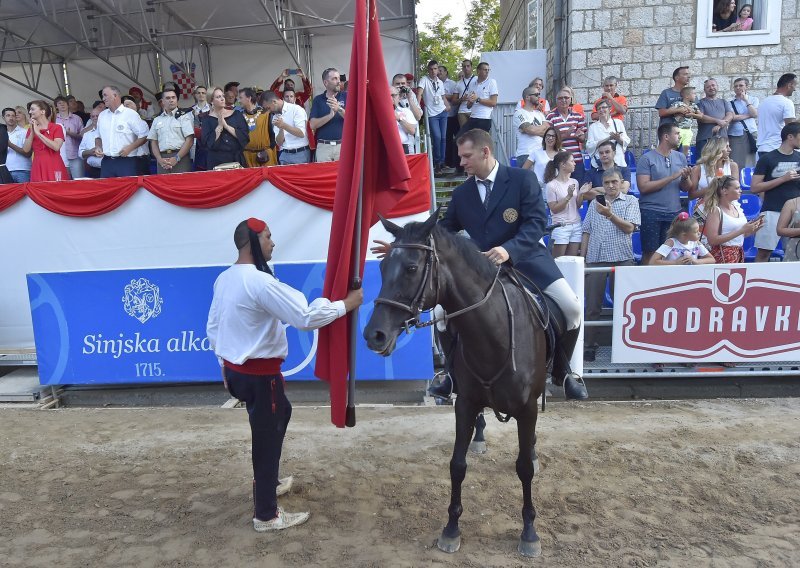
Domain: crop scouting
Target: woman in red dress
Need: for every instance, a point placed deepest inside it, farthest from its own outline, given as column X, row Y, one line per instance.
column 45, row 138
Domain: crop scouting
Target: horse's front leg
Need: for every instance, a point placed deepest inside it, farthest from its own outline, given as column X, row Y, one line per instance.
column 450, row 541
column 529, row 543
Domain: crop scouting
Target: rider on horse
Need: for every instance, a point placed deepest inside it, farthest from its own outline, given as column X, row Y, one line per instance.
column 502, row 210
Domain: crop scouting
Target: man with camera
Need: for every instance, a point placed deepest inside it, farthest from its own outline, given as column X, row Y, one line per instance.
column 406, row 123
column 610, row 221
column 283, row 82
column 407, row 100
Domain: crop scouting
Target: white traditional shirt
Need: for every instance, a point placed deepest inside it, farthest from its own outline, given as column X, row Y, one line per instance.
column 120, row 128
column 248, row 311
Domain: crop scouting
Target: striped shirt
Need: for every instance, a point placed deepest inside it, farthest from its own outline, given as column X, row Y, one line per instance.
column 607, row 242
column 565, row 127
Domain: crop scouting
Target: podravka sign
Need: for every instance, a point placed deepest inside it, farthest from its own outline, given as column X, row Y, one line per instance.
column 714, row 313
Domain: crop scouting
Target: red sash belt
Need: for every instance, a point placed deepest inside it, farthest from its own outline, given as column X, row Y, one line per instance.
column 256, row 366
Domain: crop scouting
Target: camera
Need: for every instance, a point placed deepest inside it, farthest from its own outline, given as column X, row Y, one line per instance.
column 404, row 90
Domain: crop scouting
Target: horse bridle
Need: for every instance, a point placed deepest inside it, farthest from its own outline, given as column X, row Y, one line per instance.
column 430, row 276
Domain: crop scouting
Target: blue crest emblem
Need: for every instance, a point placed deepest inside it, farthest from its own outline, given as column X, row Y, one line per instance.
column 142, row 300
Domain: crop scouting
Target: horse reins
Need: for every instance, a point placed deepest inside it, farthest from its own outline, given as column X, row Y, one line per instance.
column 430, row 276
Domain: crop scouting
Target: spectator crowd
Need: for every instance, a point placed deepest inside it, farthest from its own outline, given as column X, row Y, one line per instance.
column 578, row 154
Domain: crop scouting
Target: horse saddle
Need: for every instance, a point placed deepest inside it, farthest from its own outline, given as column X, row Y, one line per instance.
column 548, row 311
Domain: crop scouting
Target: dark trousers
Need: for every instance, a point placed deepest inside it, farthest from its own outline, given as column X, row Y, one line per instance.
column 482, row 123
column 451, row 150
column 269, row 411
column 118, row 167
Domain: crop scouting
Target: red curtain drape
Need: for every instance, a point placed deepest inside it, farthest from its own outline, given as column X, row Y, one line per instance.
column 314, row 184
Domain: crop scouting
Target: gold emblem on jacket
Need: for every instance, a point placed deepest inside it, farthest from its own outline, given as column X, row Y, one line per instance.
column 510, row 215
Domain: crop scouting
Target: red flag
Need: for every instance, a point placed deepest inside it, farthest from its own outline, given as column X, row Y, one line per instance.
column 370, row 139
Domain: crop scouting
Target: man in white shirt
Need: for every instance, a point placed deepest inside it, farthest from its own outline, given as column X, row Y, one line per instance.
column 465, row 86
column 120, row 132
column 18, row 163
column 86, row 148
column 774, row 113
column 246, row 330
column 289, row 123
column 529, row 124
column 431, row 90
column 481, row 100
column 406, row 123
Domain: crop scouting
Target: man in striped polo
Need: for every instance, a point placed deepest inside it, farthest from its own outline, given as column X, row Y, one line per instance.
column 572, row 128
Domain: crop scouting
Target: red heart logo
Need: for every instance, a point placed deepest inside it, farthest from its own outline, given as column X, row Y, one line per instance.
column 724, row 284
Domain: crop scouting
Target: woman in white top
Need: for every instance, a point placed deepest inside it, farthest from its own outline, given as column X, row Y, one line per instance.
column 539, row 158
column 607, row 128
column 715, row 161
column 726, row 225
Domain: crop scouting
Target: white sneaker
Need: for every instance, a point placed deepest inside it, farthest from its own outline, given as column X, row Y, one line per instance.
column 284, row 486
column 284, row 520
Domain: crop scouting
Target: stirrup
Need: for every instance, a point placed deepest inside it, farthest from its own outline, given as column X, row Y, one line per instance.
column 574, row 387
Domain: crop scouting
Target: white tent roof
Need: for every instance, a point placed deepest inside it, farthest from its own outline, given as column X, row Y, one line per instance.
column 41, row 33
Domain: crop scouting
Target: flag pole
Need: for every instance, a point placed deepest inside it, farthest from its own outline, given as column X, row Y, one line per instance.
column 350, row 417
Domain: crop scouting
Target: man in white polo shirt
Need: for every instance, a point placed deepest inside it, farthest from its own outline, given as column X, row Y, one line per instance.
column 430, row 89
column 481, row 100
column 289, row 122
column 17, row 163
column 120, row 131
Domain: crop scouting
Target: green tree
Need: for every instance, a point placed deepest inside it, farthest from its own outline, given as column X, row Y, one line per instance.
column 482, row 27
column 442, row 43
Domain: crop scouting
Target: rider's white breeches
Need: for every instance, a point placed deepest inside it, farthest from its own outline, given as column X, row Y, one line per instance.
column 566, row 299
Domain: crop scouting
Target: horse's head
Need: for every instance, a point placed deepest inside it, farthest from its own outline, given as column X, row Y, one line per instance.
column 408, row 285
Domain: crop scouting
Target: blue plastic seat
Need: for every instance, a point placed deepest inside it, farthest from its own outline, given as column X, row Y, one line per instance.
column 634, row 190
column 587, row 162
column 750, row 250
column 751, row 205
column 513, row 161
column 746, row 178
column 637, row 246
column 778, row 252
column 692, row 155
column 630, row 159
column 584, row 208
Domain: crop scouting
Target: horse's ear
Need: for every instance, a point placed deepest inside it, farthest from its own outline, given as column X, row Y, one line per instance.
column 430, row 223
column 390, row 227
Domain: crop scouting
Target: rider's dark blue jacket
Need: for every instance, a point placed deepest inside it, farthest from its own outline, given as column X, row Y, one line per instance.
column 515, row 219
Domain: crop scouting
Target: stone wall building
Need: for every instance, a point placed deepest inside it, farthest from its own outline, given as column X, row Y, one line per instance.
column 642, row 41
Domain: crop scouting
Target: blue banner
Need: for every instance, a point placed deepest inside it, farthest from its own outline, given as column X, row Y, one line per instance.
column 148, row 326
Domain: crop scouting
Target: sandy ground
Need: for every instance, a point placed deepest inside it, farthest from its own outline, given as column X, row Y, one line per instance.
column 709, row 483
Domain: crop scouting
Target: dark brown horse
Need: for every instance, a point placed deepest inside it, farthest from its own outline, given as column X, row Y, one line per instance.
column 500, row 359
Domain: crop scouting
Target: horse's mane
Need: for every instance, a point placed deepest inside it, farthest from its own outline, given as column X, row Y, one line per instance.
column 465, row 248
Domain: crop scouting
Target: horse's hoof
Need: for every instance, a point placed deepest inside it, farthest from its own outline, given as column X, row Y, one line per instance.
column 477, row 447
column 449, row 545
column 530, row 549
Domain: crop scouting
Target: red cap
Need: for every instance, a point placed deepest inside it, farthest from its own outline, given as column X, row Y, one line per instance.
column 135, row 90
column 256, row 225
column 409, row 77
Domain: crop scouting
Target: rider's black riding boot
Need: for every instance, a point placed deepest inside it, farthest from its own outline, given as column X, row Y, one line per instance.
column 444, row 389
column 574, row 387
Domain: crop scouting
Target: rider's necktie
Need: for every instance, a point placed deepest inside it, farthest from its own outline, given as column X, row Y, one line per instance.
column 487, row 184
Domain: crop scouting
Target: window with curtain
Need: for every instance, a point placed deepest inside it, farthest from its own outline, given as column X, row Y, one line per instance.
column 533, row 25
